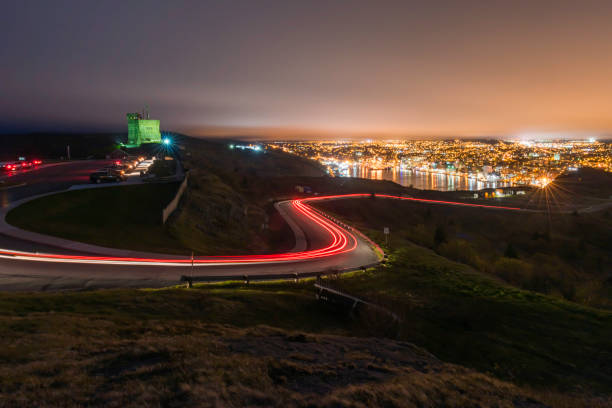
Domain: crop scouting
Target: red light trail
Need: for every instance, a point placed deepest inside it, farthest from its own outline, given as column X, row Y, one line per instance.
column 341, row 240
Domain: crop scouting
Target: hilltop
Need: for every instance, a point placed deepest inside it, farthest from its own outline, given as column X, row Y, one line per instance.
column 585, row 181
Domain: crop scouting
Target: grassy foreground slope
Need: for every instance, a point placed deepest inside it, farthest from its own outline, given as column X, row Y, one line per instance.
column 219, row 345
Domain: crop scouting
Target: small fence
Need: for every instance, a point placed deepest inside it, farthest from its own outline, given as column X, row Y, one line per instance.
column 325, row 293
column 175, row 201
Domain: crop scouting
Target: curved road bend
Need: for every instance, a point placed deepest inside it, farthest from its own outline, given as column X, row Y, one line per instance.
column 329, row 247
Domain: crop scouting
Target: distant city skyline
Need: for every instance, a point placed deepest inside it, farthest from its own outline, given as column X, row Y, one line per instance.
column 305, row 70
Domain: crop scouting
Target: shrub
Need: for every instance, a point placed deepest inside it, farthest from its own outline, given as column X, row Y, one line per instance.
column 510, row 252
column 421, row 235
column 462, row 251
column 514, row 271
column 439, row 235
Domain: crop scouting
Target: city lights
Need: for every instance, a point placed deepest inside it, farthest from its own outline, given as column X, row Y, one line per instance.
column 495, row 163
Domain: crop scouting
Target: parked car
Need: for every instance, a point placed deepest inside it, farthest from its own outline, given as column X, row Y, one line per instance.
column 132, row 160
column 121, row 165
column 107, row 175
column 22, row 163
column 10, row 166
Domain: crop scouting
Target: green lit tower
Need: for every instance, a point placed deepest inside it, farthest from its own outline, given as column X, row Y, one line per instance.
column 141, row 130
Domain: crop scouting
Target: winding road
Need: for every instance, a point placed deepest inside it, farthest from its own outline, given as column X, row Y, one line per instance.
column 323, row 245
column 329, row 247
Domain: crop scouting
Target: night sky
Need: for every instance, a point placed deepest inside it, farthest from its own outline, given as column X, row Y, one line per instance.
column 308, row 68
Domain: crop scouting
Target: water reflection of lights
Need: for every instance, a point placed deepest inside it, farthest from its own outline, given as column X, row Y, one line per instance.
column 424, row 179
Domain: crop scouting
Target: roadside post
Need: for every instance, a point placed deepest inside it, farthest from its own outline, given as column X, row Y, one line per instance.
column 190, row 282
column 386, row 231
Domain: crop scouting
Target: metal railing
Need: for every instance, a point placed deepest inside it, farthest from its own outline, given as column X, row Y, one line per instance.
column 277, row 276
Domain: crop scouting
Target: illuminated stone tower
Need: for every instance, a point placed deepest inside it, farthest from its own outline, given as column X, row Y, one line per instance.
column 141, row 130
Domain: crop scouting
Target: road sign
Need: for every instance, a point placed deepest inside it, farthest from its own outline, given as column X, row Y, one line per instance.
column 386, row 230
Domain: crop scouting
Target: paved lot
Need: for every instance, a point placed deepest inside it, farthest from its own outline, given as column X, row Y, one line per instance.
column 53, row 177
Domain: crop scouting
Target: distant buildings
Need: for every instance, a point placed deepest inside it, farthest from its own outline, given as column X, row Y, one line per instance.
column 490, row 163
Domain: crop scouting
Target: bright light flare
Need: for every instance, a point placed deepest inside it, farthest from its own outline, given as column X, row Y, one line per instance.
column 543, row 182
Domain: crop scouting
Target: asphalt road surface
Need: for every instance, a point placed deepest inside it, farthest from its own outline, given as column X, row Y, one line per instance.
column 329, row 247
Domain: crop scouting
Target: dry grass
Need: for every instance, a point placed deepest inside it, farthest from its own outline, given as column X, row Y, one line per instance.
column 92, row 363
column 213, row 346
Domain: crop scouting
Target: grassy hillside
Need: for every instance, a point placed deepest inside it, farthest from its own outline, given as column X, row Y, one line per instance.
column 584, row 182
column 265, row 345
column 122, row 217
column 228, row 206
column 565, row 255
column 474, row 318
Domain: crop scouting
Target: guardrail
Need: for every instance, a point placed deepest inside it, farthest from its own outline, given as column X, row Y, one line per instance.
column 166, row 212
column 324, row 293
column 264, row 277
